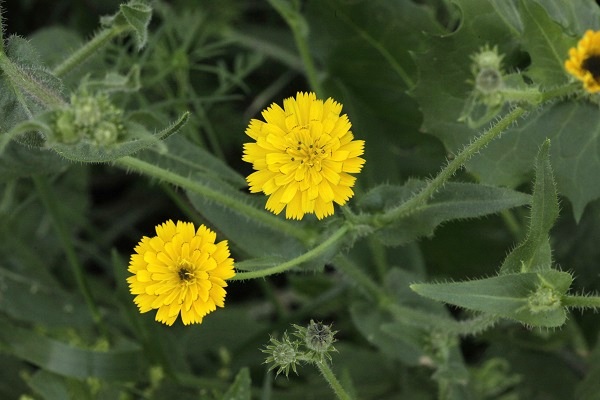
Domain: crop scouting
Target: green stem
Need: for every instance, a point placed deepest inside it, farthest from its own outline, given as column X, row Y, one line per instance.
column 332, row 380
column 419, row 199
column 429, row 321
column 51, row 203
column 561, row 91
column 1, row 30
column 272, row 221
column 309, row 255
column 26, row 82
column 87, row 50
column 300, row 30
column 581, row 301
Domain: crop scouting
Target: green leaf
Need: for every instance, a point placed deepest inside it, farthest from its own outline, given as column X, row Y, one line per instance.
column 19, row 161
column 589, row 387
column 27, row 300
column 445, row 77
column 61, row 358
column 535, row 253
column 240, row 388
column 546, row 43
column 365, row 48
column 576, row 16
column 574, row 129
column 133, row 16
column 87, row 151
column 530, row 298
column 454, row 201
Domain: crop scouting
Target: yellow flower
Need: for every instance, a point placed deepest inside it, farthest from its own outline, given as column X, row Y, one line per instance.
column 180, row 270
column 303, row 156
column 584, row 61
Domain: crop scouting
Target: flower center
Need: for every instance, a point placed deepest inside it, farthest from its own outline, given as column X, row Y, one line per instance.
column 592, row 64
column 309, row 153
column 186, row 273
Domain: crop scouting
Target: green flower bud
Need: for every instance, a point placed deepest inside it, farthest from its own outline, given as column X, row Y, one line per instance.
column 283, row 355
column 544, row 299
column 487, row 69
column 106, row 133
column 319, row 337
column 65, row 129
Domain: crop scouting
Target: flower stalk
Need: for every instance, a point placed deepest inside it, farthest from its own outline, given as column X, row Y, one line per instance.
column 330, row 377
column 436, row 183
column 308, row 256
column 300, row 31
column 87, row 50
column 135, row 164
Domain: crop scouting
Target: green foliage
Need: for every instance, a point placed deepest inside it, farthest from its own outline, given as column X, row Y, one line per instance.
column 478, row 144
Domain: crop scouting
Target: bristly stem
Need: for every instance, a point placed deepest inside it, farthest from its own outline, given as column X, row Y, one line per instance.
column 445, row 174
column 300, row 31
column 87, row 50
column 135, row 164
column 1, row 29
column 51, row 203
column 581, row 301
column 309, row 255
column 332, row 380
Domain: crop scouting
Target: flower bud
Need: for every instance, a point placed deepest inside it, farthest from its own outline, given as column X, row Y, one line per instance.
column 283, row 354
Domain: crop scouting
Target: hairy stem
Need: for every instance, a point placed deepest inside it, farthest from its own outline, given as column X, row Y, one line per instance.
column 332, row 380
column 87, row 50
column 309, row 255
column 581, row 301
column 420, row 198
column 260, row 216
column 299, row 29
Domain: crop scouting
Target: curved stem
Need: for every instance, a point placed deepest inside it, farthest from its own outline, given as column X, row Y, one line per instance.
column 332, row 380
column 309, row 255
column 299, row 29
column 260, row 216
column 436, row 183
column 51, row 204
column 86, row 51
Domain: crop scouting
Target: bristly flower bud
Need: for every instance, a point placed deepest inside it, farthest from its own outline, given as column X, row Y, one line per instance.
column 318, row 339
column 90, row 117
column 544, row 299
column 487, row 69
column 283, row 354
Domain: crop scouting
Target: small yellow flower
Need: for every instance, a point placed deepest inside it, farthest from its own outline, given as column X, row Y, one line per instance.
column 584, row 61
column 180, row 270
column 303, row 156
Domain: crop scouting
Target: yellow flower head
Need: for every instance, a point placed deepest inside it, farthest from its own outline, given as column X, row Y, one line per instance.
column 180, row 270
column 584, row 61
column 303, row 156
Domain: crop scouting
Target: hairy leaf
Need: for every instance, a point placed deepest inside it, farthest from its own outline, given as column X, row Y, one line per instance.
column 513, row 296
column 454, row 201
column 534, row 253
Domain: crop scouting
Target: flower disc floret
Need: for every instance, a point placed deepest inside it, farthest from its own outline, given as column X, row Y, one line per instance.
column 584, row 61
column 303, row 156
column 180, row 271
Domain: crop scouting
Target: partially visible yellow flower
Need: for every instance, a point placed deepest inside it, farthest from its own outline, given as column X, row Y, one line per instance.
column 584, row 61
column 180, row 271
column 303, row 156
